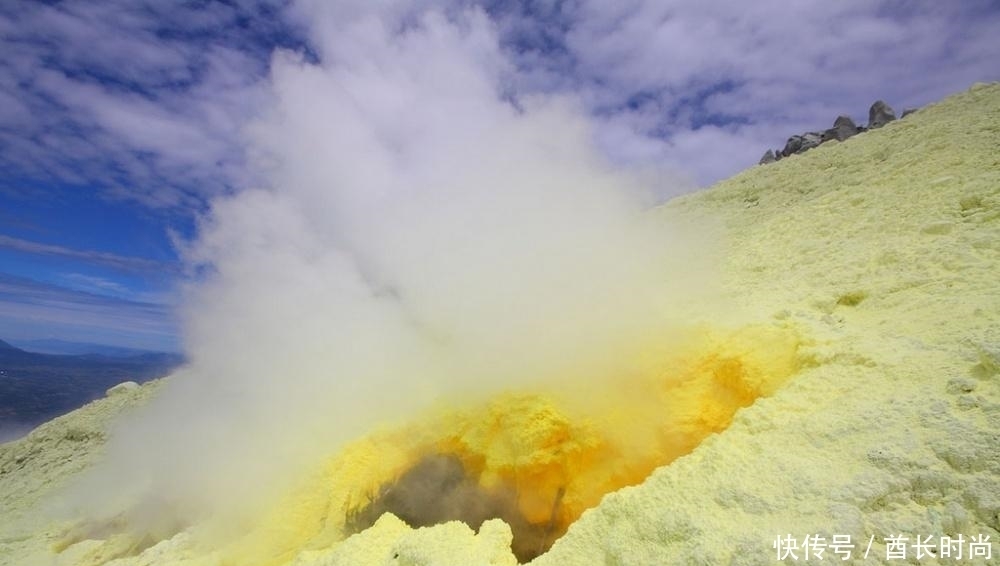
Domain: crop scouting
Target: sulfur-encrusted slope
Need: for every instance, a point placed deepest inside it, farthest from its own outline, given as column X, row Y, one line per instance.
column 884, row 250
column 887, row 247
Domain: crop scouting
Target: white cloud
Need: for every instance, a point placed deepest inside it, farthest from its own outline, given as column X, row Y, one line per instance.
column 108, row 259
column 120, row 99
column 161, row 113
column 92, row 283
column 420, row 238
column 430, row 215
column 788, row 66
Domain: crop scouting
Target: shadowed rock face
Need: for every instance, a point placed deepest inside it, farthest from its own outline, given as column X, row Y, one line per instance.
column 438, row 489
column 843, row 128
column 880, row 114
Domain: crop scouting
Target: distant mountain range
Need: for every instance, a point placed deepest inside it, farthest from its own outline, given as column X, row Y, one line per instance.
column 36, row 387
column 65, row 347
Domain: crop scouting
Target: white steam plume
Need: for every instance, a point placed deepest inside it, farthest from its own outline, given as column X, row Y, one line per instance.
column 422, row 236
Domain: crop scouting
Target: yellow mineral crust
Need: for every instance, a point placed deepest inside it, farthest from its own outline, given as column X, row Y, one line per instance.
column 557, row 452
column 859, row 396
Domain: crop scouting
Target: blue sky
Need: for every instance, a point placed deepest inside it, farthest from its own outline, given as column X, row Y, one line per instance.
column 121, row 122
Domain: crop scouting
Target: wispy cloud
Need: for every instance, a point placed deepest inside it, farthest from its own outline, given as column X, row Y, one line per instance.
column 106, row 259
column 710, row 85
column 110, row 287
column 143, row 100
column 149, row 101
column 98, row 284
column 32, row 309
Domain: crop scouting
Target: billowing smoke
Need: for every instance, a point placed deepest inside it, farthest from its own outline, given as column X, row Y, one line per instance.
column 424, row 235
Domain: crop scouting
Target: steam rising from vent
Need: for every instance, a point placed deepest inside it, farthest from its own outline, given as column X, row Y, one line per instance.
column 423, row 237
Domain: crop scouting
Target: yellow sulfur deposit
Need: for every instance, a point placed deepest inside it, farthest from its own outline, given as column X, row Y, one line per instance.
column 861, row 399
column 557, row 453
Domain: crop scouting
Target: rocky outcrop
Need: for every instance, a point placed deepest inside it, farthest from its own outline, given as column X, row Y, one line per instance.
column 800, row 143
column 880, row 114
column 843, row 128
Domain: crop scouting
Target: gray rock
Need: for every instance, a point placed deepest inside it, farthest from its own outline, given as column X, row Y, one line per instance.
column 799, row 144
column 810, row 140
column 843, row 121
column 907, row 112
column 793, row 145
column 843, row 128
column 880, row 114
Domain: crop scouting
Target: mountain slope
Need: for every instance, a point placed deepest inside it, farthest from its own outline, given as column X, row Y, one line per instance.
column 884, row 250
column 887, row 248
column 37, row 387
column 68, row 348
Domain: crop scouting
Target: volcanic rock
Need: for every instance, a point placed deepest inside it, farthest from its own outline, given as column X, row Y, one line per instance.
column 843, row 128
column 880, row 114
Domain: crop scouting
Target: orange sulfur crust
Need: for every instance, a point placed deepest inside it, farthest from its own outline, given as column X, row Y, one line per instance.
column 563, row 448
